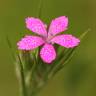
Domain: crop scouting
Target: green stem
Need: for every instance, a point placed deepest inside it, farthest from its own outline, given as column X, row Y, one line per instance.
column 22, row 79
column 39, row 8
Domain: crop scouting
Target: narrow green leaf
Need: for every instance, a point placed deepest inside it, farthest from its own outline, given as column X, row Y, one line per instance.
column 84, row 33
column 13, row 54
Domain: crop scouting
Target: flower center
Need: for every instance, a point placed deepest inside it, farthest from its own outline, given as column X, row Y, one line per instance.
column 48, row 39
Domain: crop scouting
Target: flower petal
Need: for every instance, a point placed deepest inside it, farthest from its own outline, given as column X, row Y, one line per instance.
column 58, row 25
column 30, row 42
column 36, row 26
column 48, row 53
column 67, row 41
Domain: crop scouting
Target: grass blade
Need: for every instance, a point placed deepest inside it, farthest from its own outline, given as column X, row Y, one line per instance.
column 10, row 47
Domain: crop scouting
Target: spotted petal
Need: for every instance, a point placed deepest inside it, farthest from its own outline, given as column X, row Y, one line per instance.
column 30, row 42
column 36, row 26
column 58, row 25
column 67, row 41
column 48, row 53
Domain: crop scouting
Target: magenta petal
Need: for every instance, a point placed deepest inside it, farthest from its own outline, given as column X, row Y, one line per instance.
column 36, row 26
column 58, row 25
column 67, row 41
column 30, row 42
column 48, row 53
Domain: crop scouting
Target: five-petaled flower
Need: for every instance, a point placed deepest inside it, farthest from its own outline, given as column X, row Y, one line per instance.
column 47, row 38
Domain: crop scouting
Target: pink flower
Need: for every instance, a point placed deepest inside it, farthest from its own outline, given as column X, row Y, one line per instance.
column 47, row 38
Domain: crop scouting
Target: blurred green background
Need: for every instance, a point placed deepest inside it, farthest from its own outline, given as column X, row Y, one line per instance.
column 76, row 79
